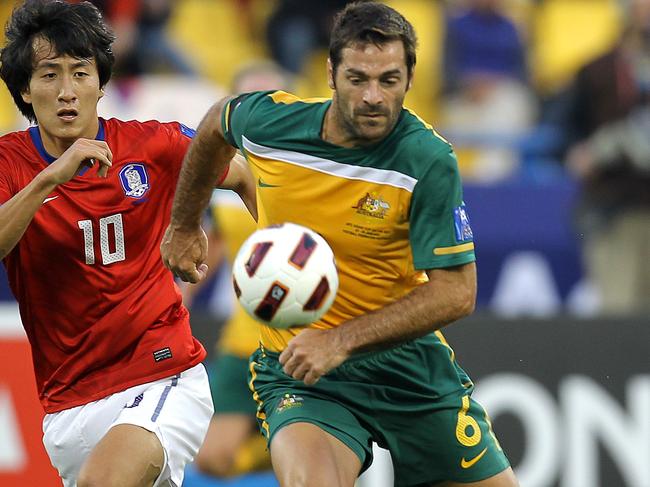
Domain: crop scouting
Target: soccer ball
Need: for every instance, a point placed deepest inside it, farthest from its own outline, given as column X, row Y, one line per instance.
column 285, row 275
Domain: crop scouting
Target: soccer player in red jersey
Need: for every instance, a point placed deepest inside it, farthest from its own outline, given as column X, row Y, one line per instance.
column 84, row 204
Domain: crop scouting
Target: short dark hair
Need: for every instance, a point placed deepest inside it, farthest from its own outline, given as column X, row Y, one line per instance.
column 77, row 30
column 364, row 22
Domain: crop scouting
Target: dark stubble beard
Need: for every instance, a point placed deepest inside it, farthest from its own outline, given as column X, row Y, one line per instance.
column 350, row 127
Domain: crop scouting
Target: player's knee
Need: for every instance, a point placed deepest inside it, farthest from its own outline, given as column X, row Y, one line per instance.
column 323, row 478
column 217, row 467
column 217, row 464
column 90, row 476
column 94, row 478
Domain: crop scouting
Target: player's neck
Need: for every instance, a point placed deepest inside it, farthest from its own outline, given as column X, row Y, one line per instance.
column 55, row 145
column 334, row 131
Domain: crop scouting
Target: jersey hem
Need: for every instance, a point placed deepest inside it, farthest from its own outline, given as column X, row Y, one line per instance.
column 124, row 386
column 442, row 263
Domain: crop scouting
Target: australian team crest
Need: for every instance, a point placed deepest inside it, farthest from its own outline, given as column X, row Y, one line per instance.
column 372, row 205
column 135, row 180
column 289, row 401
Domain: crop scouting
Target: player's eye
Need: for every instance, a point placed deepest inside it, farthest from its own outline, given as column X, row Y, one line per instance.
column 49, row 75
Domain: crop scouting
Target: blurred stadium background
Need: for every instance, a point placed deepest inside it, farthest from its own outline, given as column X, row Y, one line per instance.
column 568, row 388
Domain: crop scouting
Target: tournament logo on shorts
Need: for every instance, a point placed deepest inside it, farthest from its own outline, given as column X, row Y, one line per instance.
column 289, row 401
column 135, row 180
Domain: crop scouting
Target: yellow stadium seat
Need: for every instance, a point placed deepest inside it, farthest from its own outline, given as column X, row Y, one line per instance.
column 427, row 18
column 567, row 34
column 8, row 113
column 215, row 34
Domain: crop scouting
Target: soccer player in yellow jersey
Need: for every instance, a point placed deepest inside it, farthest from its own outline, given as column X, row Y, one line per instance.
column 383, row 189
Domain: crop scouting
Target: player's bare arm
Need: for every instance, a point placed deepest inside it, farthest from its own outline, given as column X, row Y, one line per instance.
column 184, row 246
column 18, row 212
column 240, row 180
column 449, row 295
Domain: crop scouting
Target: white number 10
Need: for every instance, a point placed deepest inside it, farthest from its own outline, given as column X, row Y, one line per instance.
column 108, row 257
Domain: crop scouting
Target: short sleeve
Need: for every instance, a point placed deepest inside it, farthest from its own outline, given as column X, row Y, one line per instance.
column 7, row 190
column 440, row 231
column 166, row 144
column 182, row 135
column 238, row 114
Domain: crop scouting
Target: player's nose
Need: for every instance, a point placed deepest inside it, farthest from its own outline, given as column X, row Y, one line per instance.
column 66, row 89
column 372, row 95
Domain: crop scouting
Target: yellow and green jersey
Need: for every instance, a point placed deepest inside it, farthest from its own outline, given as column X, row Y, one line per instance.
column 241, row 334
column 389, row 211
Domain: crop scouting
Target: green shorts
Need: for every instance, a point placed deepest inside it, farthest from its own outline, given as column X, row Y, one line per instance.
column 229, row 385
column 413, row 400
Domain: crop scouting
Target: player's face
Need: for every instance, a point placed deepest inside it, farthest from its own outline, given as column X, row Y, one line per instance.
column 369, row 86
column 63, row 92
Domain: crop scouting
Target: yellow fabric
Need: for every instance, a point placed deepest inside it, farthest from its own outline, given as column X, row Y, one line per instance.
column 567, row 34
column 372, row 249
column 241, row 333
column 253, row 456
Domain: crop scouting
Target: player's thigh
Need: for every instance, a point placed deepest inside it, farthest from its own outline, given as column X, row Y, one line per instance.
column 313, row 436
column 178, row 411
column 127, row 456
column 303, row 454
column 504, row 479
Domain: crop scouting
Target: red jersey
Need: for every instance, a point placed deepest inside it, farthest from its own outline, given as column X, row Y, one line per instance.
column 101, row 311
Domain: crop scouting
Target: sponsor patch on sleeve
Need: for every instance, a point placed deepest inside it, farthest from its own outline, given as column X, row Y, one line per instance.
column 461, row 224
column 185, row 130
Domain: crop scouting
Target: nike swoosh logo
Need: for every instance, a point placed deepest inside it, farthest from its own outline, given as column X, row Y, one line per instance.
column 469, row 463
column 262, row 184
column 49, row 199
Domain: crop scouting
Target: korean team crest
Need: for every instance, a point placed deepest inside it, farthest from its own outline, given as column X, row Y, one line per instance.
column 135, row 180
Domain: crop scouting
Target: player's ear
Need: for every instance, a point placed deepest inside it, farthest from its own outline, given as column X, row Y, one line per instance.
column 410, row 82
column 330, row 75
column 101, row 93
column 26, row 95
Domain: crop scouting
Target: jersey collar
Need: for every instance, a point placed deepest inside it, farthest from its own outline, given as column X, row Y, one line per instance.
column 38, row 142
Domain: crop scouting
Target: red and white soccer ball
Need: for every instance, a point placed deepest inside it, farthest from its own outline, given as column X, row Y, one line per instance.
column 285, row 275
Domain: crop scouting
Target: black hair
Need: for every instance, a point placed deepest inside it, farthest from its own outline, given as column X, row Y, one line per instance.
column 77, row 30
column 371, row 22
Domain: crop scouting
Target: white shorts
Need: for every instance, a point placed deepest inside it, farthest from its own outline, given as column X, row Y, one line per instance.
column 177, row 409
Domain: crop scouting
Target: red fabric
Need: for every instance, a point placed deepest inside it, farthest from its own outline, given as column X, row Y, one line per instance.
column 223, row 176
column 120, row 9
column 94, row 328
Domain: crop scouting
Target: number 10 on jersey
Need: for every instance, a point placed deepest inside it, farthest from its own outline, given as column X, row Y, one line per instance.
column 117, row 233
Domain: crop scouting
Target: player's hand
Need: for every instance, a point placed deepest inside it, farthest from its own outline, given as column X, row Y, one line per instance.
column 82, row 153
column 184, row 252
column 312, row 354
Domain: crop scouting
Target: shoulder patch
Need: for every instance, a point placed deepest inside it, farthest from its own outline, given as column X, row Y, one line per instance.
column 185, row 130
column 461, row 224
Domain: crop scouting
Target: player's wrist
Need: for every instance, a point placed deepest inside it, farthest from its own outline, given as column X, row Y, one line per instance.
column 45, row 182
column 342, row 343
column 185, row 226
